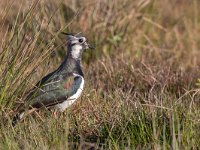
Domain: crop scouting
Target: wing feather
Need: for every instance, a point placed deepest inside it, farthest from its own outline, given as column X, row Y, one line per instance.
column 55, row 93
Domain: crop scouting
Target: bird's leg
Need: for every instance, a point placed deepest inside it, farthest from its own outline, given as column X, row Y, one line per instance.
column 55, row 113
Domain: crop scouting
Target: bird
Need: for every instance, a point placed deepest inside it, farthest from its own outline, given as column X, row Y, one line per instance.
column 60, row 88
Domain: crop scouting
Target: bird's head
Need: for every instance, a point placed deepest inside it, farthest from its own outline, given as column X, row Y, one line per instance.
column 76, row 44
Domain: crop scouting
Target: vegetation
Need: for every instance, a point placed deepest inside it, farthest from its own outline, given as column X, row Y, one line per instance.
column 142, row 82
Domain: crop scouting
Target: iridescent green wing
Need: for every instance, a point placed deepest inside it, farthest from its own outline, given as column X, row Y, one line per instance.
column 56, row 91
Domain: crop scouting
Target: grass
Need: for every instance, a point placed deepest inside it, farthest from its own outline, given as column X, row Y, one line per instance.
column 142, row 82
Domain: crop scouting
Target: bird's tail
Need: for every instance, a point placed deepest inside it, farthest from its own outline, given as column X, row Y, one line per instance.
column 17, row 118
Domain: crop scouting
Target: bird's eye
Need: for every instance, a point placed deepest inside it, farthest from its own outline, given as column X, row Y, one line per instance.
column 80, row 40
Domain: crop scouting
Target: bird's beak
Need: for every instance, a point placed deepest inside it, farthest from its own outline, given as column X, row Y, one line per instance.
column 88, row 46
column 91, row 47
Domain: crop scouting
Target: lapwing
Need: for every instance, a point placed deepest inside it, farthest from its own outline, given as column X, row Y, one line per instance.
column 62, row 87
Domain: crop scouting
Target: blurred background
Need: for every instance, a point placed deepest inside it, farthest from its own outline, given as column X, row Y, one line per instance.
column 142, row 81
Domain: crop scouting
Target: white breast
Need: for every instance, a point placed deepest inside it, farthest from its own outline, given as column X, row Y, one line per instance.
column 76, row 51
column 62, row 106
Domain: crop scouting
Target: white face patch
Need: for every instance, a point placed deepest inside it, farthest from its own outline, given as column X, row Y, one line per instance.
column 76, row 51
